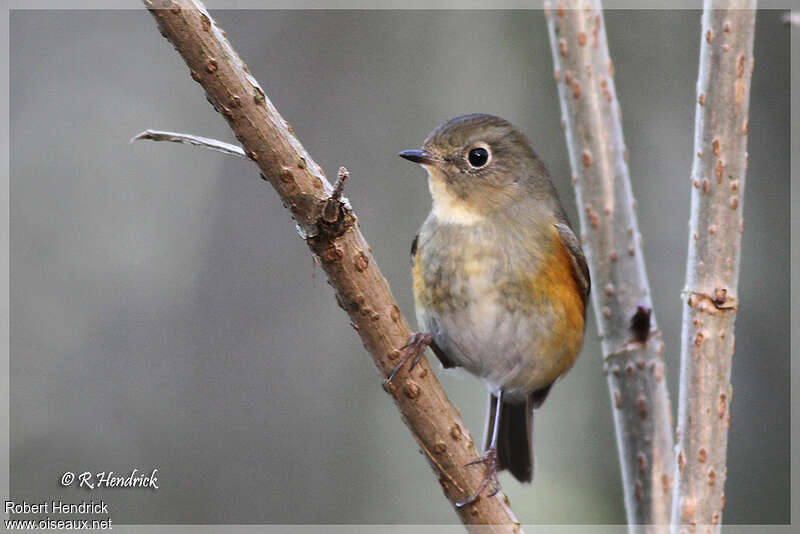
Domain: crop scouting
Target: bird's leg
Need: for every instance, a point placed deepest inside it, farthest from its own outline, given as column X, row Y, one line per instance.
column 489, row 457
column 413, row 350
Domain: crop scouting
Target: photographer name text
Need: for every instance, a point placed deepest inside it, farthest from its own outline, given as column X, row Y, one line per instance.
column 110, row 479
column 57, row 507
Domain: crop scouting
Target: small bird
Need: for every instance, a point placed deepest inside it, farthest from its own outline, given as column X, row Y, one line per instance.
column 500, row 280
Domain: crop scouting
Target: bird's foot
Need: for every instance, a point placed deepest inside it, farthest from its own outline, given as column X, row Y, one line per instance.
column 490, row 478
column 413, row 350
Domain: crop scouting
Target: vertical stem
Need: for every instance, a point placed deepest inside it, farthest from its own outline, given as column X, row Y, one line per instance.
column 712, row 273
column 631, row 341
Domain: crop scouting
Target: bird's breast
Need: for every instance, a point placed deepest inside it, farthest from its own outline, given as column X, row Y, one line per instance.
column 509, row 313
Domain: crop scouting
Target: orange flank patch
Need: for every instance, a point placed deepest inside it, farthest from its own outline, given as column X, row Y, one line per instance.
column 555, row 282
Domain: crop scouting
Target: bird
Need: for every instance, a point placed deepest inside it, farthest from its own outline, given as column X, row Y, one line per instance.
column 499, row 277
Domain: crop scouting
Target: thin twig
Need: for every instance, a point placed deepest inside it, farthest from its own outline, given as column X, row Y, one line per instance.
column 631, row 342
column 188, row 139
column 361, row 289
column 712, row 274
column 333, row 207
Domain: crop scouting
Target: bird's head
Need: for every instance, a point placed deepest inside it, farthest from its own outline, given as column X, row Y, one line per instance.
column 477, row 164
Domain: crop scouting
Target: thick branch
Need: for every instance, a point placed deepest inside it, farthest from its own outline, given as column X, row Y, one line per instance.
column 631, row 342
column 346, row 257
column 712, row 274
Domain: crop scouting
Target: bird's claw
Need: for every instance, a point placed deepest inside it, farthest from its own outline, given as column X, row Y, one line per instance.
column 490, row 459
column 414, row 350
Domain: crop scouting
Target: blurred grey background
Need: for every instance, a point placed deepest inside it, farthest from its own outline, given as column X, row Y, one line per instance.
column 165, row 314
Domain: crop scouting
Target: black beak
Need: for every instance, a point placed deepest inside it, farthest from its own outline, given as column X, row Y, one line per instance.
column 418, row 156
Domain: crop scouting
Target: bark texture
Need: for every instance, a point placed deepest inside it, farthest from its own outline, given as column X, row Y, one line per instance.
column 715, row 227
column 331, row 231
column 631, row 342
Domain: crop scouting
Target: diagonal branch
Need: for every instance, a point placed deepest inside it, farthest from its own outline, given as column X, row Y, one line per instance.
column 712, row 273
column 334, row 237
column 631, row 341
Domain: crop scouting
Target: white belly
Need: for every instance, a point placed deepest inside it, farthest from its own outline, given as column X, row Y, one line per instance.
column 491, row 342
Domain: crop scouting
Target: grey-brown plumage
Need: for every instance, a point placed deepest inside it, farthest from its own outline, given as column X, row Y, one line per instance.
column 500, row 281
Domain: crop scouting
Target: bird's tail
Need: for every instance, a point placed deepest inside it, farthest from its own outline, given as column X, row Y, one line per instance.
column 514, row 437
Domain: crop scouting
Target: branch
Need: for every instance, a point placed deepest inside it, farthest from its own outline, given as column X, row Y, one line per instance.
column 334, row 237
column 187, row 139
column 631, row 341
column 712, row 273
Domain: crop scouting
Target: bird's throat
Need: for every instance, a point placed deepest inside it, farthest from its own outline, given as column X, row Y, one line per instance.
column 448, row 207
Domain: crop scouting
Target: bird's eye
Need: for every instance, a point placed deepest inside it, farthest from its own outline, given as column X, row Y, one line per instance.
column 478, row 157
